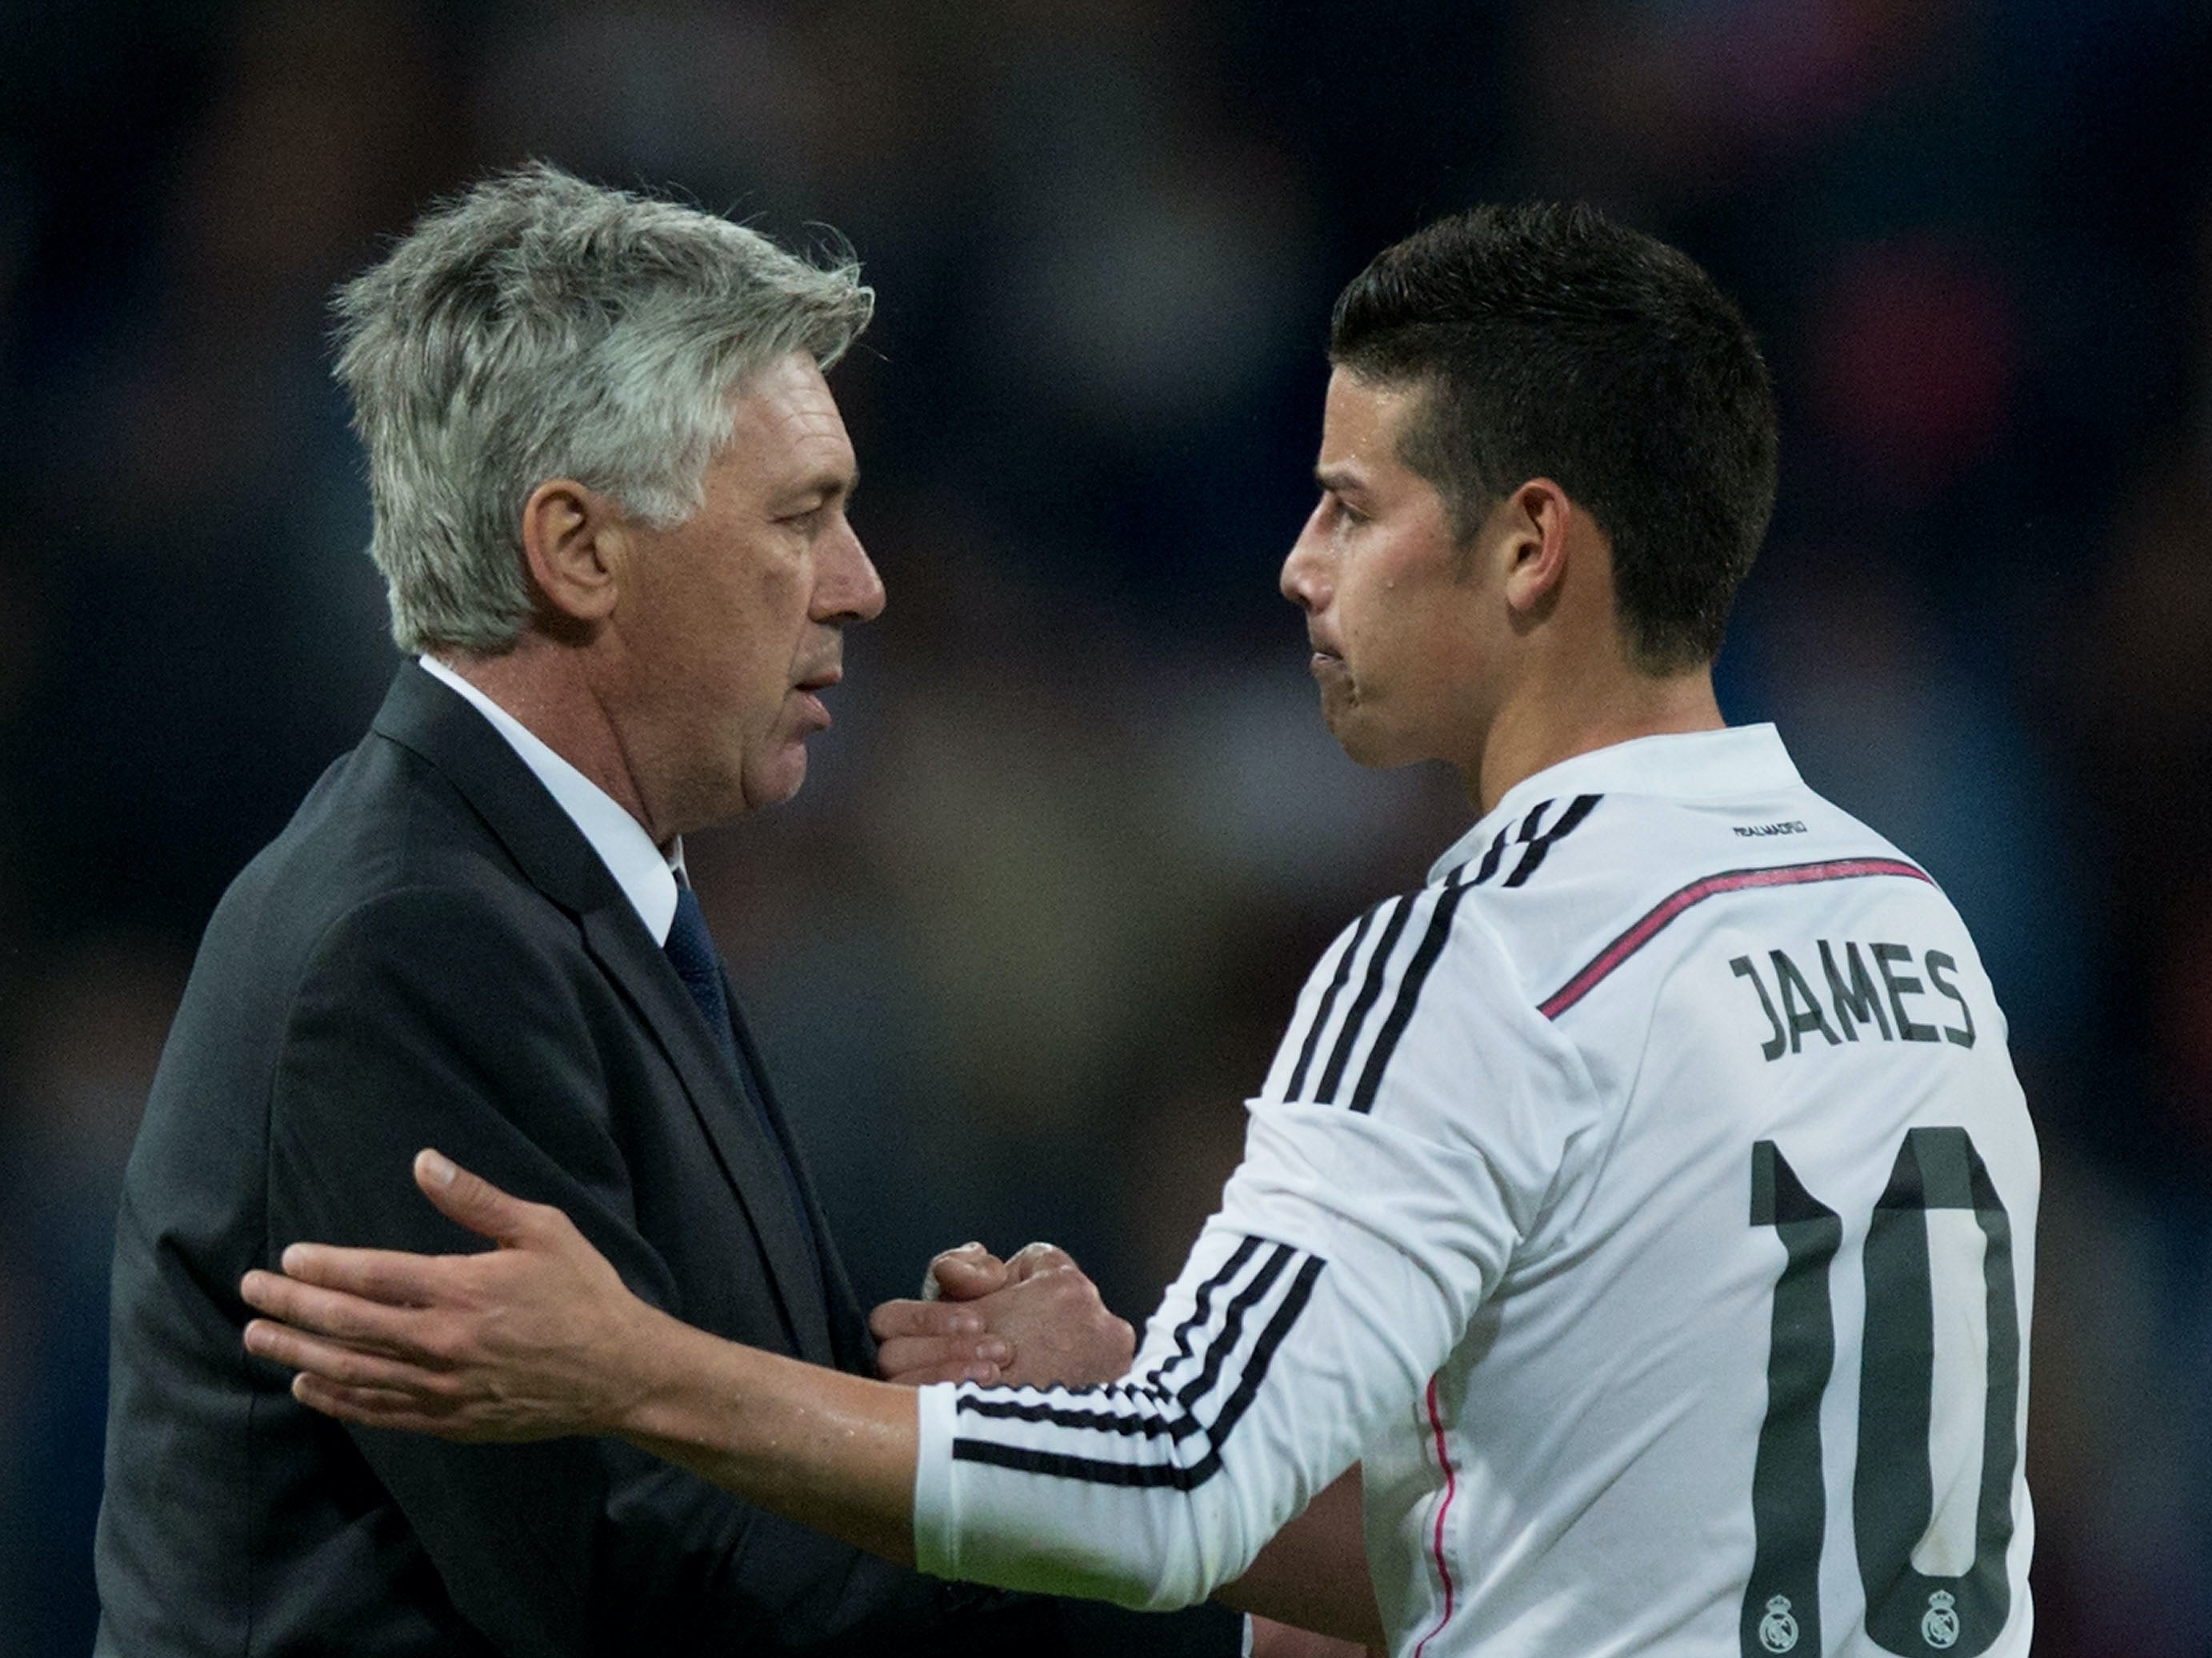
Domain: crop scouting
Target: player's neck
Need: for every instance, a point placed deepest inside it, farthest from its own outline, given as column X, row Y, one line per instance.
column 547, row 686
column 1555, row 717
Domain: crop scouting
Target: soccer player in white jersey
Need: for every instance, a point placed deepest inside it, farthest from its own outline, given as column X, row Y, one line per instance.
column 1645, row 1207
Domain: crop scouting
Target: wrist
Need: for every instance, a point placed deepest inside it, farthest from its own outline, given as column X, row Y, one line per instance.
column 648, row 1378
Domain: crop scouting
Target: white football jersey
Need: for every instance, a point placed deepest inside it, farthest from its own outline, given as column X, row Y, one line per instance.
column 1648, row 1204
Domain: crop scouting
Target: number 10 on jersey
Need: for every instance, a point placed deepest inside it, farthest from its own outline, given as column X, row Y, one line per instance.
column 1892, row 1498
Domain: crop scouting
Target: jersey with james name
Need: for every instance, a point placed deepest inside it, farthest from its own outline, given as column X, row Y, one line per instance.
column 1647, row 1205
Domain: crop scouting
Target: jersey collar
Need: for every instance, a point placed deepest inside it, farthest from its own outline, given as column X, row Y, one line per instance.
column 1735, row 763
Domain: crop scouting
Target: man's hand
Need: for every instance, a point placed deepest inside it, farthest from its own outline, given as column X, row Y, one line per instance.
column 1029, row 1322
column 531, row 1340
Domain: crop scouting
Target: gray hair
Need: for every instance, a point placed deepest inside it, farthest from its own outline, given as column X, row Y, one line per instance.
column 537, row 327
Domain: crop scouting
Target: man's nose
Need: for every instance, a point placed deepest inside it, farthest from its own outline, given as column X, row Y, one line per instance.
column 850, row 589
column 1304, row 581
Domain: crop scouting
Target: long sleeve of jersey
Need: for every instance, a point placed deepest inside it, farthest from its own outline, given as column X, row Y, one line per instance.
column 1418, row 1118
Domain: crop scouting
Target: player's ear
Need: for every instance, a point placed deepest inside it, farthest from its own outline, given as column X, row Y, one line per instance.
column 1530, row 533
column 575, row 541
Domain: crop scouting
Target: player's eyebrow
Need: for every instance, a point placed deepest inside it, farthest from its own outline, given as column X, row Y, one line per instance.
column 1339, row 479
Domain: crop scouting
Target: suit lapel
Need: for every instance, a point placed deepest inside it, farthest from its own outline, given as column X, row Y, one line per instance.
column 751, row 1164
column 433, row 721
column 854, row 1346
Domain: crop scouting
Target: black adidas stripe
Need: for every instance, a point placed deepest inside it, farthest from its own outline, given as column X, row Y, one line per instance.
column 1409, row 993
column 1371, row 992
column 1540, row 844
column 1490, row 859
column 1201, row 1308
column 1263, row 1352
column 1328, row 1002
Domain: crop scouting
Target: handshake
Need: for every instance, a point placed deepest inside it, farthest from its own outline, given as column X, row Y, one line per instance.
column 539, row 1337
column 1029, row 1321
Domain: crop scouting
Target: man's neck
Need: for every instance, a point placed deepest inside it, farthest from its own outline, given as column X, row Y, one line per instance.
column 1554, row 721
column 544, row 684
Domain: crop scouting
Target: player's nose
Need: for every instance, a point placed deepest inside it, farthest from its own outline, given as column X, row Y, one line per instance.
column 1304, row 578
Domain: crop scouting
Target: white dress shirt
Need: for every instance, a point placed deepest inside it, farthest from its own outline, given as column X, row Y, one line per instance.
column 646, row 875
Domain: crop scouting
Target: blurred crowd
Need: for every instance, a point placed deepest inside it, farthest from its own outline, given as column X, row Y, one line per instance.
column 1022, row 947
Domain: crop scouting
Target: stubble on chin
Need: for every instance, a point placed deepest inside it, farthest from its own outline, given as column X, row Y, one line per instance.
column 1339, row 704
column 1364, row 741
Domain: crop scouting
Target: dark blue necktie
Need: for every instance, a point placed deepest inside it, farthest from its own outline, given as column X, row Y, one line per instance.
column 691, row 952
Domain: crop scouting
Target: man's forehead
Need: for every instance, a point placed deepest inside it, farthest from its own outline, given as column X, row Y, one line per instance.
column 789, row 393
column 1362, row 419
column 787, row 419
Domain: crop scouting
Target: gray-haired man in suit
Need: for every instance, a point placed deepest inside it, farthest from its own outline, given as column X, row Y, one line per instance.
column 610, row 487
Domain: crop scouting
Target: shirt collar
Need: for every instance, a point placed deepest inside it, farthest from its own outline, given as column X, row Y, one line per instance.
column 645, row 875
column 1734, row 762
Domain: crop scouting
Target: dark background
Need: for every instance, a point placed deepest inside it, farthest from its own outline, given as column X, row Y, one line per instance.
column 1024, row 942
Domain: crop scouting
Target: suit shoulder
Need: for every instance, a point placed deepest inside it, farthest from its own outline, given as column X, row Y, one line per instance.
column 472, row 939
column 381, row 823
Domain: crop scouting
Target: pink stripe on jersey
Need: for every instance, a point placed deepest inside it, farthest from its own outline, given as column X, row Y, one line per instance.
column 1452, row 1489
column 1735, row 880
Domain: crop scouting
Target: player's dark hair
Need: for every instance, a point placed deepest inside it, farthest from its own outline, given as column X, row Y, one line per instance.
column 1556, row 343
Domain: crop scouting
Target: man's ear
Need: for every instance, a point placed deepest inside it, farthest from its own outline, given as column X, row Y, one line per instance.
column 575, row 541
column 1536, row 518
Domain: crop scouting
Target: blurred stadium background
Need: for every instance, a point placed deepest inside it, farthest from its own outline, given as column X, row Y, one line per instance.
column 1024, row 944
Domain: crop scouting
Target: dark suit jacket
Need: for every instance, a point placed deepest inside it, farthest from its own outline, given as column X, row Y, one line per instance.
column 432, row 954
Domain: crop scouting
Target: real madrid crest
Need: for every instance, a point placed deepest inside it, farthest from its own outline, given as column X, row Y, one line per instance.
column 1939, row 1627
column 1777, row 1631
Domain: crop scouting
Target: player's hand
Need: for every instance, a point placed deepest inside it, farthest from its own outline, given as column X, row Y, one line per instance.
column 536, row 1339
column 1061, row 1327
column 967, row 1273
column 1041, row 1311
column 934, row 1339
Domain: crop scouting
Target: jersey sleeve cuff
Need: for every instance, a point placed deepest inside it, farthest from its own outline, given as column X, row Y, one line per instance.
column 936, row 1538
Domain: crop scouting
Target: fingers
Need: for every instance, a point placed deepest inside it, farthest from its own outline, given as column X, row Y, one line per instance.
column 398, row 1280
column 951, row 1370
column 1033, row 1259
column 894, row 1319
column 963, row 1274
column 475, row 1203
column 963, row 1278
column 1033, row 1320
column 333, row 1361
column 385, row 1275
column 1061, row 1331
column 912, row 1361
column 381, row 1390
column 375, row 1408
column 328, row 1312
column 922, row 1341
